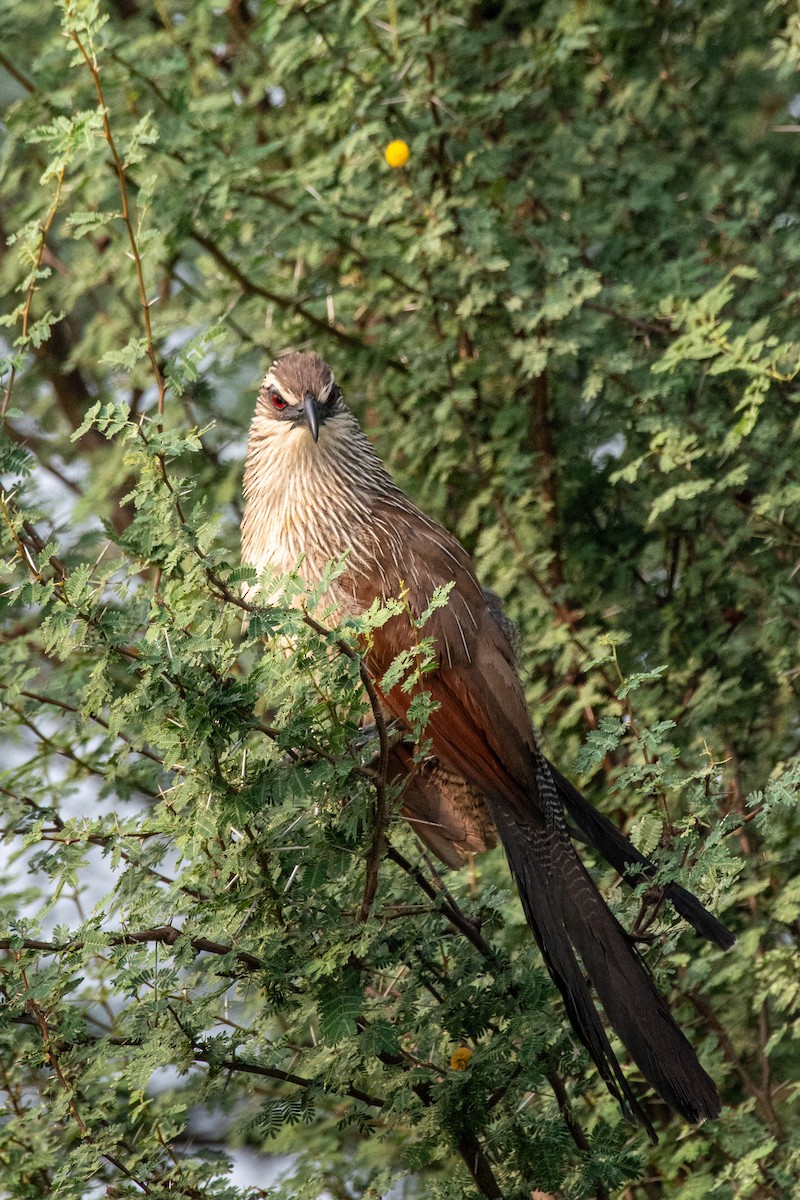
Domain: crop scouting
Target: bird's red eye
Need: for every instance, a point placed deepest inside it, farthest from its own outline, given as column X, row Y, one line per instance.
column 278, row 400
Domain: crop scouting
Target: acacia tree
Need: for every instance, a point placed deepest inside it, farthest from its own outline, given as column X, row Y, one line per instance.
column 568, row 324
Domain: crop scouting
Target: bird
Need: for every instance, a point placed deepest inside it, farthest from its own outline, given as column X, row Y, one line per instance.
column 315, row 491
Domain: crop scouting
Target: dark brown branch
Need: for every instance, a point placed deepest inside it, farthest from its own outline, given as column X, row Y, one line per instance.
column 446, row 906
column 62, row 704
column 578, row 1136
column 250, row 288
column 542, row 442
column 15, row 73
column 478, row 1166
column 762, row 1098
column 166, row 935
column 239, row 1065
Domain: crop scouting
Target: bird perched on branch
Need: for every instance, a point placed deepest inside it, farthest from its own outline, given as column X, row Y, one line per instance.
column 315, row 488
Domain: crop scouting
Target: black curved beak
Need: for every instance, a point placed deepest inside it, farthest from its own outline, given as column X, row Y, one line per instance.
column 311, row 414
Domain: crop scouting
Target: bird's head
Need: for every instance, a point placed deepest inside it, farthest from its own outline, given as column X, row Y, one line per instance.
column 300, row 392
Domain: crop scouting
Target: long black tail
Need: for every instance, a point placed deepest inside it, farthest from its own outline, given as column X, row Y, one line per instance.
column 570, row 920
column 622, row 856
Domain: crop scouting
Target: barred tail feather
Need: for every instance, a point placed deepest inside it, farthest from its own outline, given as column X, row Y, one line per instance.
column 573, row 925
column 622, row 855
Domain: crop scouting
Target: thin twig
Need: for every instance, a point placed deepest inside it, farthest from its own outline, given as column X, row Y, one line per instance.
column 51, row 1056
column 165, row 935
column 91, row 63
column 62, row 704
column 379, row 779
column 26, row 308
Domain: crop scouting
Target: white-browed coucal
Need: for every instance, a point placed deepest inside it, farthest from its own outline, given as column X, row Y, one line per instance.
column 316, row 489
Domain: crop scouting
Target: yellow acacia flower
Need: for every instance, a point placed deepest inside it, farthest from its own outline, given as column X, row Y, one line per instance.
column 459, row 1059
column 396, row 153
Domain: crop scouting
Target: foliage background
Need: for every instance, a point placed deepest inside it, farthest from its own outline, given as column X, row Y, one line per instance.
column 569, row 325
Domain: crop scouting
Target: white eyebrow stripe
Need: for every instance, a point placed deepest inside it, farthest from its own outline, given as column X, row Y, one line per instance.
column 326, row 390
column 286, row 393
